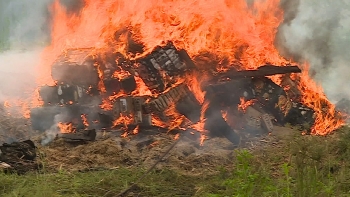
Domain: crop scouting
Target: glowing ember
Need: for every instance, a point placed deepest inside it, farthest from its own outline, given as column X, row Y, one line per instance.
column 203, row 137
column 124, row 135
column 123, row 120
column 136, row 130
column 224, row 114
column 85, row 121
column 154, row 144
column 177, row 136
column 245, row 104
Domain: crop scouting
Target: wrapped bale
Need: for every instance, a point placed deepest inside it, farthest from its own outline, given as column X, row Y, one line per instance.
column 76, row 66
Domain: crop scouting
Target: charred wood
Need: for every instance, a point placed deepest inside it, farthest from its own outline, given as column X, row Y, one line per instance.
column 189, row 107
column 301, row 116
column 266, row 70
column 128, row 84
column 79, row 136
column 217, row 126
column 114, row 85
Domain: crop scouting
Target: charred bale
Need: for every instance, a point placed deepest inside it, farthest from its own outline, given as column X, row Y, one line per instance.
column 301, row 116
column 164, row 62
column 229, row 93
column 190, row 107
column 20, row 156
column 49, row 94
column 215, row 123
column 272, row 97
column 79, row 136
column 131, row 106
column 76, row 66
column 128, row 84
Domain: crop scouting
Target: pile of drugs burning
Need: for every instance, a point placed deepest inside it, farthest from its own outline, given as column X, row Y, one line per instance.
column 102, row 91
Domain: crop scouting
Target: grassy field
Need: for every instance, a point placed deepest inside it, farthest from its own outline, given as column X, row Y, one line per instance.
column 293, row 165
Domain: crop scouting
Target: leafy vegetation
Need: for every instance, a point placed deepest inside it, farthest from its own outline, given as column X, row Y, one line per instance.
column 295, row 166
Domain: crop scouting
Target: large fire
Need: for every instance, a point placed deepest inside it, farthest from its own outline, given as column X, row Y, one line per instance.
column 240, row 34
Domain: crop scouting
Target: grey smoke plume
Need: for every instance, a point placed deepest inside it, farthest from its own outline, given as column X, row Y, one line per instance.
column 51, row 133
column 318, row 31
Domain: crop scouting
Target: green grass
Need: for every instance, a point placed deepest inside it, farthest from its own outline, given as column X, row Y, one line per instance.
column 300, row 166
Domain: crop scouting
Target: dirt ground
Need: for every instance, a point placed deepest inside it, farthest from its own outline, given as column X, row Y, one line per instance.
column 110, row 150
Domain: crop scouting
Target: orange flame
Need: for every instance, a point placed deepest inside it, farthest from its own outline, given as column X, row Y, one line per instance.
column 194, row 82
column 136, row 130
column 177, row 136
column 125, row 134
column 175, row 118
column 123, row 120
column 6, row 104
column 232, row 30
column 202, row 139
column 106, row 104
column 65, row 127
column 85, row 121
column 224, row 114
column 141, row 89
column 327, row 118
column 157, row 122
column 200, row 125
column 245, row 104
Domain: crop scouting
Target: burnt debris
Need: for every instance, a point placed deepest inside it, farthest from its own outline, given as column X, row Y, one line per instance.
column 18, row 157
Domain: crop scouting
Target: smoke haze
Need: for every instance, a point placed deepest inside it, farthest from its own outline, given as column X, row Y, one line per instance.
column 318, row 31
column 24, row 32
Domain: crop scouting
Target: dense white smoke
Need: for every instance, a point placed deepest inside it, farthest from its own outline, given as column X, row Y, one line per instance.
column 318, row 31
column 23, row 34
